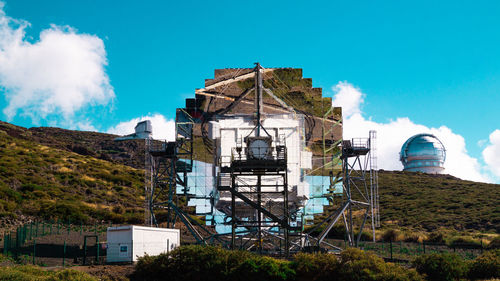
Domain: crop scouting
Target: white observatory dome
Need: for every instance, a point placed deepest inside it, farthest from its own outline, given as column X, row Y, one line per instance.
column 423, row 153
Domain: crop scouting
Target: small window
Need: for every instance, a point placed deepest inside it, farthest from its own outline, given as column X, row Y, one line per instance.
column 123, row 249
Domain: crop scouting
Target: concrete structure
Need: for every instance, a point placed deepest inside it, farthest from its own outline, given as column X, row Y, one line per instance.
column 127, row 243
column 423, row 153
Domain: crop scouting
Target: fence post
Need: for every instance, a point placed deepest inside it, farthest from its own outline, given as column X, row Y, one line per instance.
column 390, row 242
column 36, row 229
column 5, row 244
column 43, row 229
column 95, row 228
column 25, row 233
column 84, row 250
column 69, row 226
column 64, row 253
column 31, row 230
column 34, row 251
column 51, row 227
column 11, row 246
column 81, row 227
column 97, row 255
column 423, row 244
column 17, row 243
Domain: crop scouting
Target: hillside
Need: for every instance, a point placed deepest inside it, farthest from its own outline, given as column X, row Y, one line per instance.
column 53, row 182
column 56, row 173
column 429, row 202
column 97, row 145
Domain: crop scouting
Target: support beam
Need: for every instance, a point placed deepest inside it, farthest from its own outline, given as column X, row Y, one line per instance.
column 257, row 207
column 335, row 216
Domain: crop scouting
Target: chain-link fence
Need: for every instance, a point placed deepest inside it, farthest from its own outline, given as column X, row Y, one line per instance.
column 405, row 252
column 56, row 243
column 66, row 243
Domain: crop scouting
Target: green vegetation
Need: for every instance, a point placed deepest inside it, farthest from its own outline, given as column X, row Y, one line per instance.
column 52, row 173
column 29, row 273
column 439, row 205
column 213, row 263
column 441, row 267
column 449, row 267
column 485, row 266
column 50, row 183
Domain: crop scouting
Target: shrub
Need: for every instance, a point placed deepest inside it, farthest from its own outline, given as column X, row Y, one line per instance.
column 436, row 237
column 415, row 237
column 463, row 241
column 29, row 273
column 262, row 268
column 61, row 209
column 390, row 235
column 441, row 267
column 71, row 275
column 356, row 265
column 213, row 263
column 315, row 266
column 189, row 263
column 365, row 236
column 495, row 243
column 485, row 266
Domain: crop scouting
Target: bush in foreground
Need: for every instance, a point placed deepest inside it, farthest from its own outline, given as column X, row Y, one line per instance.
column 441, row 267
column 353, row 264
column 210, row 263
column 29, row 273
column 359, row 265
column 485, row 266
column 213, row 263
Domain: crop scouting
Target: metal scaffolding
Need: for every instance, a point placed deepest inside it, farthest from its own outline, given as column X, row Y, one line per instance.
column 249, row 195
column 359, row 193
column 169, row 163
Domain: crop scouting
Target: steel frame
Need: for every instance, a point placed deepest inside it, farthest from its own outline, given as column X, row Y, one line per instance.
column 167, row 167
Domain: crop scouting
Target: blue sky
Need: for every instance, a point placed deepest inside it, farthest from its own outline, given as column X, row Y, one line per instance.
column 435, row 62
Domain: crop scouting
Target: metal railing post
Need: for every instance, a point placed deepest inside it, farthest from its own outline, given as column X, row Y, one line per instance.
column 84, row 250
column 34, row 251
column 97, row 245
column 390, row 242
column 64, row 253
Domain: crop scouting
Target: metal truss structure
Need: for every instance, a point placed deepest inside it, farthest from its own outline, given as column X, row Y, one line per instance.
column 261, row 216
column 359, row 193
column 256, row 220
column 167, row 168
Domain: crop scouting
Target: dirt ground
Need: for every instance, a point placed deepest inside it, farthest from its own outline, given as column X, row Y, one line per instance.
column 108, row 272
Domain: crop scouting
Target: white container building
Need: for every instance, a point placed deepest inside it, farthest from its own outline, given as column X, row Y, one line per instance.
column 128, row 243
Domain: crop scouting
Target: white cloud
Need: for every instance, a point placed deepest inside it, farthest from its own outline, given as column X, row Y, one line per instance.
column 162, row 128
column 349, row 97
column 85, row 125
column 392, row 135
column 59, row 75
column 491, row 153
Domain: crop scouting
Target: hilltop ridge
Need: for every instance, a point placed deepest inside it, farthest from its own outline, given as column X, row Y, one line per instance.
column 55, row 173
